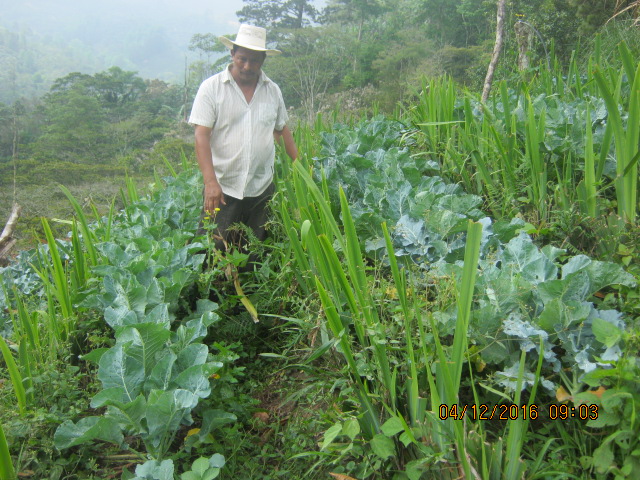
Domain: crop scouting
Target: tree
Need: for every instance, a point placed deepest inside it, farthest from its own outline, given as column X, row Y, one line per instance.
column 355, row 12
column 210, row 61
column 309, row 67
column 626, row 6
column 496, row 50
column 117, row 87
column 278, row 13
column 75, row 125
column 595, row 13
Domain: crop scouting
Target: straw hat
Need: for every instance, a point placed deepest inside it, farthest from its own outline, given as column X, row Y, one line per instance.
column 251, row 37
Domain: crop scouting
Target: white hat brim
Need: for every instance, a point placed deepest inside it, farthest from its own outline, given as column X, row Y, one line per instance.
column 230, row 43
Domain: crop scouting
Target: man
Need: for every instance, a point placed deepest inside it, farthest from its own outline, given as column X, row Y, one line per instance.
column 237, row 115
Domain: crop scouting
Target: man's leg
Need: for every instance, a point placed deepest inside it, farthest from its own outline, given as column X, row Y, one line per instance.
column 250, row 211
column 229, row 214
column 255, row 213
column 255, row 216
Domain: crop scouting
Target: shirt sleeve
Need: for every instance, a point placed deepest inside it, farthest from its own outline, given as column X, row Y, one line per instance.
column 204, row 111
column 282, row 117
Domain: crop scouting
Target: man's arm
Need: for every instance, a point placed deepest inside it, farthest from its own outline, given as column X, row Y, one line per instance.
column 213, row 196
column 289, row 143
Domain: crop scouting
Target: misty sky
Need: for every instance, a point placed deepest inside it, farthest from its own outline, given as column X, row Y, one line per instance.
column 67, row 17
column 150, row 37
column 147, row 36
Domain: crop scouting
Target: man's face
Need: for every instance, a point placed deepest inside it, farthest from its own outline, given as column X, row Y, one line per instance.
column 246, row 65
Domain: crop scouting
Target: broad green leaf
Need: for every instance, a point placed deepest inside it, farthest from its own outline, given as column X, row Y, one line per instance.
column 216, row 461
column 94, row 355
column 331, row 434
column 194, row 354
column 159, row 315
column 130, row 415
column 575, row 264
column 154, row 470
column 603, row 458
column 120, row 315
column 194, row 380
column 406, row 438
column 166, row 411
column 147, row 342
column 576, row 287
column 603, row 274
column 606, row 332
column 392, row 426
column 205, row 468
column 161, row 374
column 108, row 396
column 351, row 428
column 605, row 419
column 87, row 430
column 528, row 261
column 213, row 419
column 383, row 446
column 119, row 369
column 558, row 315
column 200, row 466
column 415, row 469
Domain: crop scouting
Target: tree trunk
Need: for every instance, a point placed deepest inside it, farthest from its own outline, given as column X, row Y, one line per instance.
column 524, row 36
column 6, row 242
column 496, row 50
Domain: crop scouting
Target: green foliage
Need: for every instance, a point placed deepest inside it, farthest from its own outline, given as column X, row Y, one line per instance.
column 278, row 13
column 593, row 13
column 205, row 468
column 534, row 321
column 7, row 471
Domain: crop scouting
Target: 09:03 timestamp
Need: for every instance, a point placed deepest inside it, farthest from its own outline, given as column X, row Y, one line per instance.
column 513, row 412
column 563, row 411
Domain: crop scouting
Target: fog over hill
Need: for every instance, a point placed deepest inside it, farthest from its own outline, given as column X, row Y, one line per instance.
column 41, row 40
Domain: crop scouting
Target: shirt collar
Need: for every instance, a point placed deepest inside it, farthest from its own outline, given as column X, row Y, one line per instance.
column 227, row 77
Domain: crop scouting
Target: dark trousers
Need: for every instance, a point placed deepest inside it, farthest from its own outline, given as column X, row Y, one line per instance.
column 250, row 211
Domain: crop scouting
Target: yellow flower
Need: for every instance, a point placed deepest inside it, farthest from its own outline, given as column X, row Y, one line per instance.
column 216, row 209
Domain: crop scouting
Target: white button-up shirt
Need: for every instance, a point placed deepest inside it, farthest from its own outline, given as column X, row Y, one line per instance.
column 242, row 146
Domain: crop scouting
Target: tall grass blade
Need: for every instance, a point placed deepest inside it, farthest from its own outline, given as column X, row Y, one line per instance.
column 369, row 422
column 345, row 287
column 57, row 271
column 26, row 326
column 132, row 191
column 449, row 370
column 416, row 413
column 590, row 192
column 465, row 299
column 87, row 234
column 27, row 372
column 7, row 472
column 367, row 305
column 16, row 377
column 514, row 467
column 167, row 164
column 625, row 139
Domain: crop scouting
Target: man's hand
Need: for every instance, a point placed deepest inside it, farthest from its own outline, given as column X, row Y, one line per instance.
column 213, row 197
column 289, row 143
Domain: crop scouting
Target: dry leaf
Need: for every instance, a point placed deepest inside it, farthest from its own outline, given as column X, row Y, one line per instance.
column 339, row 476
column 262, row 416
column 562, row 395
column 598, row 393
